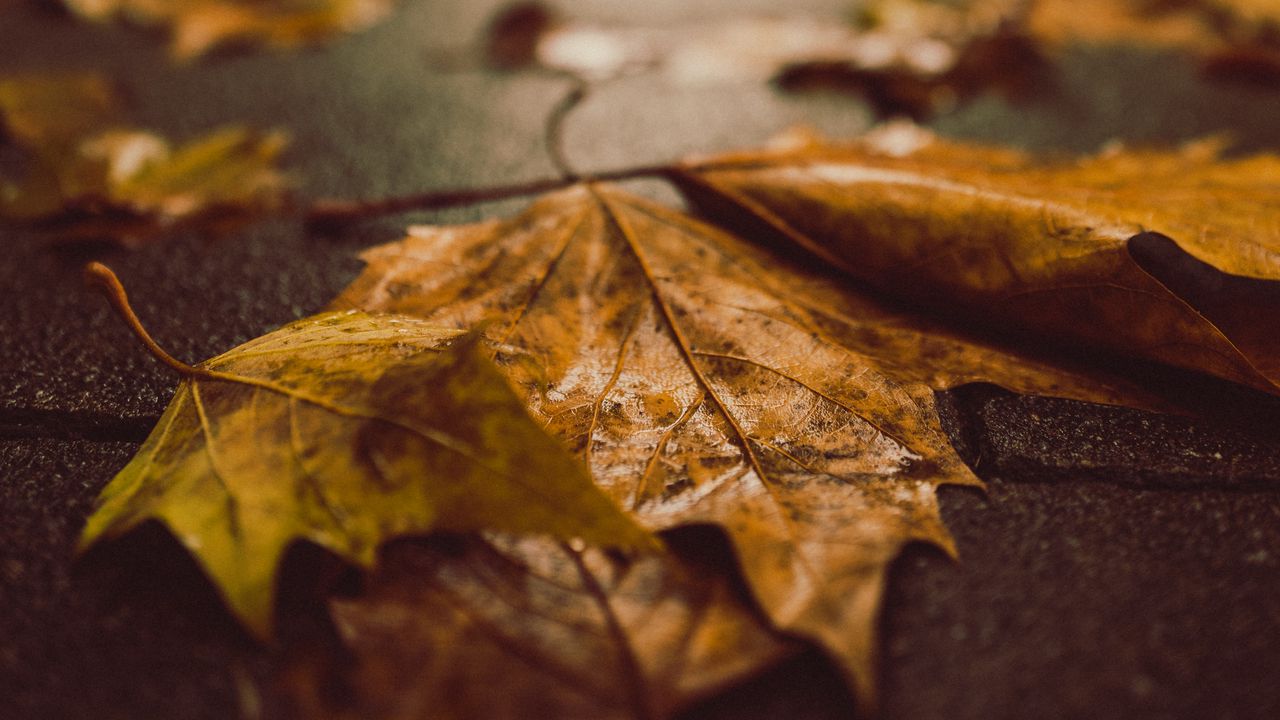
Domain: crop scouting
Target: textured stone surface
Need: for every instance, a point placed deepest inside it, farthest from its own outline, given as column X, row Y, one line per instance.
column 138, row 633
column 1123, row 564
column 1090, row 600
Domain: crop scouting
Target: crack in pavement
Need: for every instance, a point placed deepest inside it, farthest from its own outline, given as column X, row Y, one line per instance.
column 972, row 438
column 18, row 423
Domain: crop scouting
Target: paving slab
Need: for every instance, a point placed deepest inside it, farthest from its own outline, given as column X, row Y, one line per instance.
column 1090, row 600
column 138, row 634
column 1135, row 585
column 1122, row 564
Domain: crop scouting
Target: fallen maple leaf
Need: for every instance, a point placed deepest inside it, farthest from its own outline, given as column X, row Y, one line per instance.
column 500, row 628
column 1196, row 24
column 198, row 26
column 705, row 382
column 231, row 167
column 82, row 179
column 920, row 58
column 1235, row 39
column 344, row 429
column 54, row 111
column 44, row 119
column 904, row 57
column 1074, row 253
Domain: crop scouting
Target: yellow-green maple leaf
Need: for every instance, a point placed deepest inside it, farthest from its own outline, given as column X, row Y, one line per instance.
column 346, row 429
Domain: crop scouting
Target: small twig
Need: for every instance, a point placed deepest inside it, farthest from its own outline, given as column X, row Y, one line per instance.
column 554, row 138
column 328, row 215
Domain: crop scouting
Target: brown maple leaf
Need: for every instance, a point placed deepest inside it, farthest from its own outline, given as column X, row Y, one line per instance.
column 82, row 177
column 1235, row 39
column 39, row 111
column 706, row 382
column 500, row 628
column 1164, row 256
column 199, row 26
column 913, row 58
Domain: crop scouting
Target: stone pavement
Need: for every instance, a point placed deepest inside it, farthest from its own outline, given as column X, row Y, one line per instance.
column 1122, row 564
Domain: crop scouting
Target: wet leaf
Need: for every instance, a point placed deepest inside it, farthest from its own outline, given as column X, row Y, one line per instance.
column 199, row 26
column 53, row 111
column 1236, row 40
column 905, row 57
column 1164, row 256
column 1196, row 24
column 499, row 628
column 347, row 429
column 920, row 58
column 706, row 382
column 43, row 121
column 81, row 177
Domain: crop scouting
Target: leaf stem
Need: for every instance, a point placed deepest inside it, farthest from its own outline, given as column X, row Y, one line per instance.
column 102, row 278
column 328, row 215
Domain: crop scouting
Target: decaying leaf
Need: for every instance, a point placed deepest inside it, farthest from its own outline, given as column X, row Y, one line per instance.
column 346, row 429
column 1235, row 39
column 198, row 26
column 1197, row 24
column 914, row 62
column 708, row 383
column 923, row 57
column 43, row 120
column 127, row 186
column 38, row 111
column 499, row 628
column 1075, row 253
column 81, row 178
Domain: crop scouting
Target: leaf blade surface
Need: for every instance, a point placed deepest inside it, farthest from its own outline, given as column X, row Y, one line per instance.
column 347, row 429
column 707, row 382
column 1072, row 252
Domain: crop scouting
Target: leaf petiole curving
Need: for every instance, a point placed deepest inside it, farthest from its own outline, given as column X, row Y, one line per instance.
column 104, row 279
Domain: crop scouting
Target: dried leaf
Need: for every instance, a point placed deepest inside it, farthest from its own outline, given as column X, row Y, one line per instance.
column 1193, row 24
column 199, row 26
column 500, row 628
column 708, row 383
column 923, row 57
column 44, row 120
column 1074, row 253
column 39, row 111
column 904, row 57
column 230, row 167
column 1236, row 40
column 347, row 429
column 81, row 179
